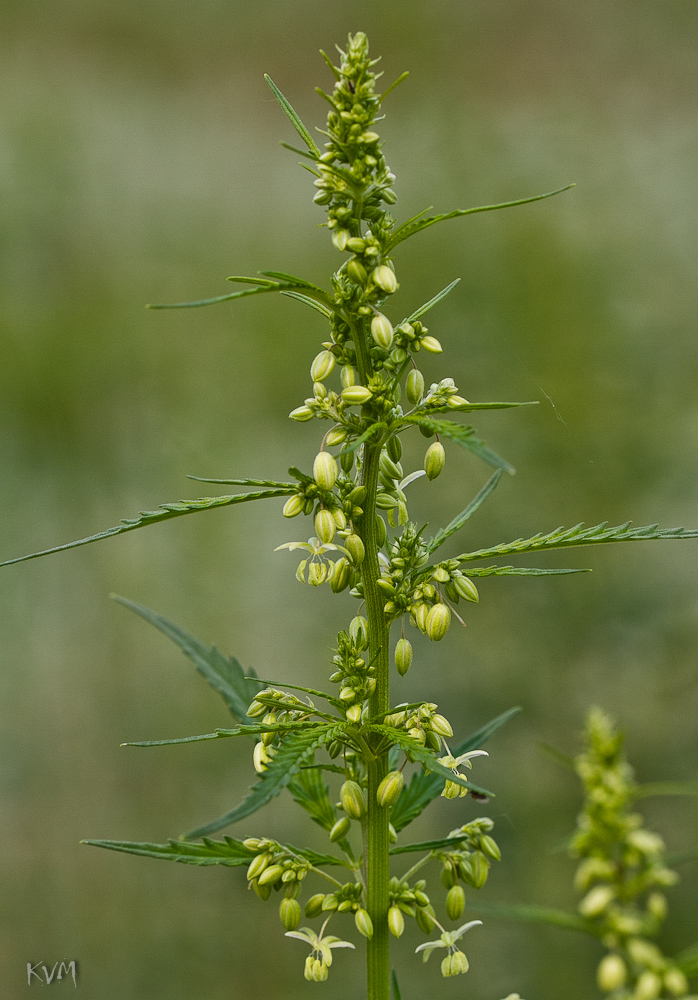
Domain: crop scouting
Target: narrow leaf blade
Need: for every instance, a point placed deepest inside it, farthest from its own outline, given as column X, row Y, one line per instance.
column 418, row 313
column 293, row 118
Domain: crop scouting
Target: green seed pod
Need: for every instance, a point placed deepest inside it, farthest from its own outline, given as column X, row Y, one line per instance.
column 322, row 365
column 403, row 656
column 355, row 547
column 290, row 913
column 490, row 848
column 263, row 891
column 293, row 506
column 358, row 630
column 434, row 459
column 340, row 576
column 479, row 868
column 325, row 470
column 448, row 876
column 301, row 413
column 394, row 447
column 396, row 921
column 438, row 622
column 314, row 905
column 426, row 432
column 455, row 902
column 317, row 574
column 364, row 924
column 352, row 799
column 340, row 829
column 346, row 460
column 348, row 376
column 381, row 531
column 611, row 973
column 466, row 588
column 325, row 526
column 356, row 395
column 258, row 865
column 334, row 749
column 389, row 789
column 596, row 901
column 308, row 508
column 345, row 906
column 676, row 982
column 414, row 387
column 389, row 468
column 335, row 436
column 431, row 345
column 441, row 726
column 357, row 272
column 382, row 331
column 425, row 919
column 271, row 875
column 420, row 897
column 384, row 277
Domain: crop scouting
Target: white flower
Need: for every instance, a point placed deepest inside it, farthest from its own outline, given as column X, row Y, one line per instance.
column 320, row 959
column 455, row 960
column 452, row 789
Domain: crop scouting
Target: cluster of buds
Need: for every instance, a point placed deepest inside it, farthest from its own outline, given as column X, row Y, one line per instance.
column 622, row 873
column 356, row 679
column 469, row 863
column 422, row 723
column 443, row 395
column 274, row 707
column 346, row 899
column 273, row 867
column 412, row 902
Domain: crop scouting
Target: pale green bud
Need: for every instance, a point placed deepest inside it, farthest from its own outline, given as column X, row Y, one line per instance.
column 438, row 622
column 357, row 272
column 425, row 919
column 252, row 843
column 455, row 902
column 270, row 875
column 434, row 459
column 340, row 238
column 358, row 630
column 340, row 576
column 258, row 865
column 389, row 196
column 301, row 413
column 356, row 244
column 317, row 573
column 657, row 905
column 421, row 613
column 356, row 395
column 596, row 901
column 348, row 376
column 314, row 905
column 403, row 656
column 390, row 468
column 290, row 913
column 441, row 575
column 381, row 531
column 644, row 952
column 340, row 829
column 382, row 331
column 364, row 924
column 490, row 847
column 392, row 834
column 676, row 982
column 256, row 709
column 260, row 757
column 353, row 714
column 325, row 526
column 322, row 366
column 458, row 401
column 466, row 588
column 325, row 470
column 441, row 726
column 345, row 906
column 431, row 345
column 293, row 506
column 263, row 891
column 355, row 547
column 479, row 868
column 396, row 921
column 384, row 277
column 330, row 903
column 389, row 789
column 319, row 391
column 335, row 436
column 611, row 973
column 352, row 798
column 648, row 986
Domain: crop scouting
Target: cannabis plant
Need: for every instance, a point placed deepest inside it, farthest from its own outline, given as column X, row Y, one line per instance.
column 343, row 753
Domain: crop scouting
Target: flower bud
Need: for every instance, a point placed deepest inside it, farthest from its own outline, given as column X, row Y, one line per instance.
column 382, row 331
column 648, row 986
column 364, row 924
column 421, row 613
column 340, row 238
column 356, row 395
column 263, row 891
column 389, row 468
column 340, row 829
column 258, row 865
column 431, row 345
column 330, row 903
column 414, row 387
column 270, row 875
column 611, row 973
column 425, row 919
column 389, row 196
column 396, row 921
column 356, row 244
column 352, row 799
column 340, row 518
column 348, row 376
column 335, row 436
column 389, row 789
column 434, row 459
column 358, row 630
column 441, row 726
column 314, row 905
column 355, row 547
column 479, row 868
column 325, row 470
column 596, row 901
column 392, row 834
column 490, row 847
column 438, row 622
column 403, row 656
column 290, row 913
column 381, row 532
column 260, row 757
column 325, row 526
column 455, row 401
column 384, row 277
column 676, row 982
column 293, row 506
column 322, row 366
column 340, row 576
column 466, row 588
column 455, row 902
column 301, row 413
column 356, row 271
column 353, row 714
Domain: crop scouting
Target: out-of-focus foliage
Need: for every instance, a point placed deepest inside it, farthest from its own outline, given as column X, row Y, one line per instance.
column 139, row 162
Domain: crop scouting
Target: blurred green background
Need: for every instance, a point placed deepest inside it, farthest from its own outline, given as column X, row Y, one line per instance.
column 139, row 161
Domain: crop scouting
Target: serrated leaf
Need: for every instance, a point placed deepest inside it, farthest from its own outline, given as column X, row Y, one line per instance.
column 579, row 535
column 424, row 788
column 231, row 853
column 464, row 436
column 468, row 407
column 221, row 734
column 537, row 915
column 412, row 227
column 293, row 118
column 165, row 512
column 427, row 758
column 432, row 302
column 224, row 674
column 313, row 303
column 310, row 791
column 481, row 571
column 457, row 523
column 295, row 750
column 428, row 845
column 294, row 281
column 300, row 687
column 260, row 289
column 270, row 483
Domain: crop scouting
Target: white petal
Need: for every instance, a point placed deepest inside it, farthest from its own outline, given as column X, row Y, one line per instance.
column 411, row 478
column 466, row 927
